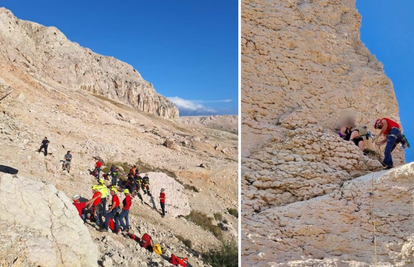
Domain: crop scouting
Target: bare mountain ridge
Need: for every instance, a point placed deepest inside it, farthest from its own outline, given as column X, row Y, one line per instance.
column 46, row 54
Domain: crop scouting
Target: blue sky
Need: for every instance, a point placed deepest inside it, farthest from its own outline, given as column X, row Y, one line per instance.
column 187, row 49
column 388, row 32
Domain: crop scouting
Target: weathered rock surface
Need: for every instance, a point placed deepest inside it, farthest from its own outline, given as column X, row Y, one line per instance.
column 176, row 200
column 303, row 66
column 5, row 89
column 366, row 221
column 46, row 54
column 39, row 226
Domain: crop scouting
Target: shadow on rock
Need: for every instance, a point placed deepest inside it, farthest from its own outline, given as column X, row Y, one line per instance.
column 7, row 169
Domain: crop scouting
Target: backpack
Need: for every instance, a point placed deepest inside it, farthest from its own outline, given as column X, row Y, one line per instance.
column 157, row 249
column 146, row 241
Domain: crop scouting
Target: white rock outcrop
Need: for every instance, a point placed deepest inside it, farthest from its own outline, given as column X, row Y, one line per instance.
column 39, row 226
column 368, row 221
column 176, row 203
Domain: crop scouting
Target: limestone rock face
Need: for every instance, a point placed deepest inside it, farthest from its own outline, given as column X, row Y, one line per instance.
column 5, row 89
column 339, row 227
column 46, row 227
column 303, row 66
column 307, row 54
column 176, row 203
column 46, row 54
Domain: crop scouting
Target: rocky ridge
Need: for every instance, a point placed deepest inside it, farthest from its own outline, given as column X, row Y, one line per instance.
column 303, row 66
column 47, row 55
column 197, row 176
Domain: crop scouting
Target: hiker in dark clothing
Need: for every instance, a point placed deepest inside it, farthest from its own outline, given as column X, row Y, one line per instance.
column 114, row 175
column 350, row 133
column 44, row 145
column 145, row 182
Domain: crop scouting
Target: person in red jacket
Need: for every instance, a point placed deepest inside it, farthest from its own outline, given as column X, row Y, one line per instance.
column 80, row 206
column 392, row 133
column 98, row 166
column 95, row 204
column 124, row 213
column 114, row 210
column 162, row 202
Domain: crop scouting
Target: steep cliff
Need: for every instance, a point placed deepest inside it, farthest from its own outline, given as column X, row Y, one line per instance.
column 303, row 66
column 46, row 54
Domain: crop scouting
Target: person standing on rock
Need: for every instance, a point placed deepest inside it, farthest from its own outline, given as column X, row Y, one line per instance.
column 124, row 213
column 95, row 204
column 113, row 211
column 68, row 160
column 392, row 136
column 162, row 202
column 44, row 145
column 80, row 206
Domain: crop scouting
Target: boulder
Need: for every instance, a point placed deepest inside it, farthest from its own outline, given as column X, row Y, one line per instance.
column 40, row 226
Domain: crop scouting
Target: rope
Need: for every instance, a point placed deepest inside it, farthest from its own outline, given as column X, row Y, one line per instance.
column 374, row 239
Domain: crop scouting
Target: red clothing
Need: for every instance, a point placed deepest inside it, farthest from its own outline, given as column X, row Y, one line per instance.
column 127, row 202
column 391, row 124
column 115, row 201
column 98, row 200
column 162, row 198
column 146, row 241
column 98, row 164
column 80, row 206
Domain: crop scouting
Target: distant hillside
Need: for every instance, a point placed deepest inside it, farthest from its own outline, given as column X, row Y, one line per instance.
column 220, row 122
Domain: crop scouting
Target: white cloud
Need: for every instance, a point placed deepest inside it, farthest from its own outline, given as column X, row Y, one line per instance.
column 190, row 107
column 216, row 101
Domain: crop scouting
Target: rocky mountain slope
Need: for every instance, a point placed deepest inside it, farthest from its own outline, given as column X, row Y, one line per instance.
column 303, row 67
column 47, row 55
column 198, row 166
column 228, row 123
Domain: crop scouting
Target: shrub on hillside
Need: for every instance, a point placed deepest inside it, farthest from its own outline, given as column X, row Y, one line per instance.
column 205, row 222
column 227, row 256
column 233, row 212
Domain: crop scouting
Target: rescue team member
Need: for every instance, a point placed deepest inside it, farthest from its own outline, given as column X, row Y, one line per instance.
column 124, row 213
column 392, row 133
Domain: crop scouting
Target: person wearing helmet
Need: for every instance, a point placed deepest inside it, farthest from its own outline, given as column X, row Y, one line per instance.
column 162, row 201
column 80, row 206
column 124, row 213
column 101, row 187
column 113, row 211
column 391, row 132
column 94, row 204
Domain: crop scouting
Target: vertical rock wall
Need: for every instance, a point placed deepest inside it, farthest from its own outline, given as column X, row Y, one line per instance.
column 303, row 64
